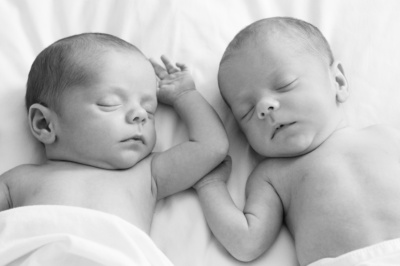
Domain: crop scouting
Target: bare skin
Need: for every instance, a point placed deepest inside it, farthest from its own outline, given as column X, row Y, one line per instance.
column 342, row 196
column 99, row 150
column 336, row 188
column 335, row 199
column 130, row 194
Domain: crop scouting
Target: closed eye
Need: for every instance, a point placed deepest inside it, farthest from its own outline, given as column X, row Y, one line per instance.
column 108, row 107
column 286, row 87
column 150, row 114
column 248, row 113
column 150, row 109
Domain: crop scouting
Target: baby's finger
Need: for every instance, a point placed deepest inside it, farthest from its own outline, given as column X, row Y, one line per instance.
column 182, row 67
column 165, row 82
column 170, row 67
column 160, row 71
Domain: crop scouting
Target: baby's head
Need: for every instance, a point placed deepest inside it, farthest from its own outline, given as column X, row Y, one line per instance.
column 91, row 99
column 285, row 89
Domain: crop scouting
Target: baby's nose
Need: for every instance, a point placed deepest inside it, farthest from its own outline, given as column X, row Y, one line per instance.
column 138, row 115
column 265, row 106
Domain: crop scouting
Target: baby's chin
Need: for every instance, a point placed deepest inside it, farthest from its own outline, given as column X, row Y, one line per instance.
column 290, row 148
column 120, row 163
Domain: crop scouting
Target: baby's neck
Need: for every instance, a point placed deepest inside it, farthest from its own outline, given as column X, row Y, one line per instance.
column 68, row 164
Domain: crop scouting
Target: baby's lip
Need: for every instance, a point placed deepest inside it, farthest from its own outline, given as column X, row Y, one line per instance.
column 279, row 127
column 135, row 138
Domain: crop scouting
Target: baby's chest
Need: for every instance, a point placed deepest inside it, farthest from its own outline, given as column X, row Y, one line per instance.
column 128, row 196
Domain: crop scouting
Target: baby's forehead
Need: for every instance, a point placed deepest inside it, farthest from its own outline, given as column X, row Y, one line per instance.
column 99, row 63
column 93, row 58
column 286, row 33
column 269, row 42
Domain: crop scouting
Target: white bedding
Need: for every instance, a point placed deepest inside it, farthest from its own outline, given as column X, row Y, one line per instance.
column 364, row 35
column 64, row 236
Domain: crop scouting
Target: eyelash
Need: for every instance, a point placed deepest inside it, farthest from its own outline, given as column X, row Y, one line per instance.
column 150, row 115
column 285, row 88
column 280, row 89
column 149, row 108
column 247, row 113
column 108, row 107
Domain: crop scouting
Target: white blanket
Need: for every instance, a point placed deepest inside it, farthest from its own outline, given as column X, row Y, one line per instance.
column 62, row 235
column 386, row 253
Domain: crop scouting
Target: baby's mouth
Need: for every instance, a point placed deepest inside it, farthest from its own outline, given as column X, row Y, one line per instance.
column 279, row 127
column 136, row 138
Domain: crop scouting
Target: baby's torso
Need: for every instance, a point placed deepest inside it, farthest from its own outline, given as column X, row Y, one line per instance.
column 343, row 196
column 129, row 194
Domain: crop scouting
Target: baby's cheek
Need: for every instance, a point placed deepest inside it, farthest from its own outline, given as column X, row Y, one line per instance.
column 299, row 143
column 152, row 139
column 258, row 142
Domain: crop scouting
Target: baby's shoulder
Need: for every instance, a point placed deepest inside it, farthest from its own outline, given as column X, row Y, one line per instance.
column 269, row 168
column 18, row 172
column 142, row 168
column 384, row 132
column 383, row 128
column 145, row 164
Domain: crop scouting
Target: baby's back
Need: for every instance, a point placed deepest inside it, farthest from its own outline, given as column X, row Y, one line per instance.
column 343, row 196
column 127, row 193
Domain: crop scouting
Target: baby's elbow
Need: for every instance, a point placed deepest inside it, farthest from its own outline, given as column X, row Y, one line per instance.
column 220, row 148
column 223, row 148
column 246, row 251
column 220, row 151
column 244, row 257
column 245, row 254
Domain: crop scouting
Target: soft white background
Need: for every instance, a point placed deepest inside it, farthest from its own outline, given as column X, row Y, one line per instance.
column 364, row 35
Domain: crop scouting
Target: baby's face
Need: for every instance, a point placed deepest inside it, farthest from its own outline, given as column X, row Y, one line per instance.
column 284, row 101
column 110, row 123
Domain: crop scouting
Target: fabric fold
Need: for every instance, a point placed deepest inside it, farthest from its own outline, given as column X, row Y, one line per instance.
column 64, row 235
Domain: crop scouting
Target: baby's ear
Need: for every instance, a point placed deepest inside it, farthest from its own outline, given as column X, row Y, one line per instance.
column 41, row 123
column 342, row 87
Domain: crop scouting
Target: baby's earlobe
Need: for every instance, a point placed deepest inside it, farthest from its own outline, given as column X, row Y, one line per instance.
column 342, row 92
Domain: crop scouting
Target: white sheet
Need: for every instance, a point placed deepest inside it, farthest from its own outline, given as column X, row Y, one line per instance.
column 386, row 253
column 364, row 35
column 64, row 236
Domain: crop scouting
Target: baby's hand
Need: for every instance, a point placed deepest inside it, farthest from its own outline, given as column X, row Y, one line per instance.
column 174, row 81
column 220, row 173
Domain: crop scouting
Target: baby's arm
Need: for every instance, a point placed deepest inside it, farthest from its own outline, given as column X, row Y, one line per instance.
column 4, row 194
column 183, row 165
column 245, row 234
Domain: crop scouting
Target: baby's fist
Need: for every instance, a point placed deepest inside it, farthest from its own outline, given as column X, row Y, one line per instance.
column 219, row 173
column 174, row 81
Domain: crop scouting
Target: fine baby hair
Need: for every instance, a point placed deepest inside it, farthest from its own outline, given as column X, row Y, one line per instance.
column 67, row 63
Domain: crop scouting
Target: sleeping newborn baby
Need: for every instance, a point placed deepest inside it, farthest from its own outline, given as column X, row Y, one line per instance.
column 337, row 188
column 91, row 101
